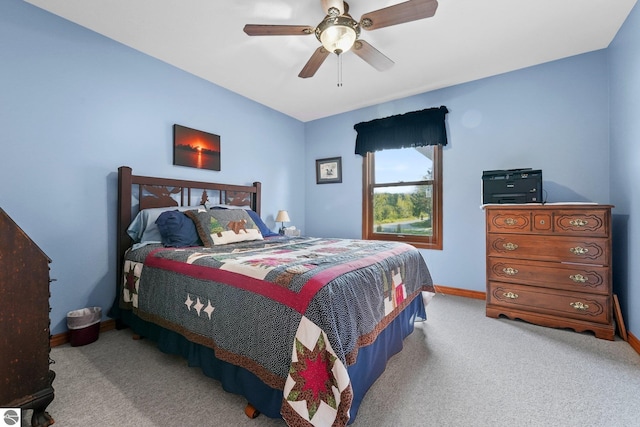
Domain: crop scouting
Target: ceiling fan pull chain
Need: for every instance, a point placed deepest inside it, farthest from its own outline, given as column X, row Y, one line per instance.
column 339, row 70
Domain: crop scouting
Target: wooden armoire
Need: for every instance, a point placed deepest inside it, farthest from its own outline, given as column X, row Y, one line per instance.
column 25, row 377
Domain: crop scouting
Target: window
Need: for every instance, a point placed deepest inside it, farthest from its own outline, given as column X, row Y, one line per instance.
column 402, row 196
column 402, row 177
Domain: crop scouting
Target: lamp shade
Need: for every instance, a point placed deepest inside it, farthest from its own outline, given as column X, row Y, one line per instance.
column 282, row 216
column 338, row 38
column 337, row 33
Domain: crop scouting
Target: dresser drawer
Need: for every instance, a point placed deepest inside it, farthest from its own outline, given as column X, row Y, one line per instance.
column 591, row 307
column 593, row 222
column 570, row 277
column 509, row 221
column 549, row 248
column 568, row 221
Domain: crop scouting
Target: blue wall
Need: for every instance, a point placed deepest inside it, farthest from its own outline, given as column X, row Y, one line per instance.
column 553, row 117
column 74, row 106
column 624, row 59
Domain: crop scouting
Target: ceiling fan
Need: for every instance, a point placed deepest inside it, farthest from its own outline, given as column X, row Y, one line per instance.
column 339, row 32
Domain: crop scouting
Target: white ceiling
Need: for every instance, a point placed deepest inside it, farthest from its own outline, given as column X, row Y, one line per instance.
column 465, row 40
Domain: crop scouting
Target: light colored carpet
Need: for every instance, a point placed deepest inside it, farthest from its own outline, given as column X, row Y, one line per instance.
column 459, row 368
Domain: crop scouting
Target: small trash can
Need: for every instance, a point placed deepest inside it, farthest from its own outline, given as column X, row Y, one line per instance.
column 84, row 325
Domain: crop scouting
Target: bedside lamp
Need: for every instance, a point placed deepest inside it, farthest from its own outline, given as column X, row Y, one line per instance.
column 282, row 217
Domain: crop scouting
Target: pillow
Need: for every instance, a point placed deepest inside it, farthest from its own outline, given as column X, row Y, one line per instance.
column 221, row 206
column 222, row 226
column 143, row 228
column 264, row 230
column 177, row 230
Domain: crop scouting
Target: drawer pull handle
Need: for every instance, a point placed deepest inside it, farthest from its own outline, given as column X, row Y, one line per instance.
column 510, row 271
column 510, row 295
column 579, row 250
column 578, row 222
column 578, row 278
column 510, row 246
column 510, row 221
column 579, row 306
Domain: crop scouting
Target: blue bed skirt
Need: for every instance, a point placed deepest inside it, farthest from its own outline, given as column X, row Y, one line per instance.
column 370, row 363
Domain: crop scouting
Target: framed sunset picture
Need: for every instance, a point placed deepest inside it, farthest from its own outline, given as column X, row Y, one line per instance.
column 195, row 148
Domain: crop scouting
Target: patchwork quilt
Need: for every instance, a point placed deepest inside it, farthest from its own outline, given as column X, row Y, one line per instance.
column 294, row 311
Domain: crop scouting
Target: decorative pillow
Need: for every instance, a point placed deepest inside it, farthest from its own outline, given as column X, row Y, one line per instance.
column 222, row 226
column 177, row 230
column 264, row 230
column 221, row 206
column 143, row 228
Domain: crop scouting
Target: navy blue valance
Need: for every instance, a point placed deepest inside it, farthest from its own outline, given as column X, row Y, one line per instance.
column 414, row 129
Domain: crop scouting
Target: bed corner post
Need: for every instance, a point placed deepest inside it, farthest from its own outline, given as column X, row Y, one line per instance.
column 258, row 197
column 124, row 209
column 124, row 219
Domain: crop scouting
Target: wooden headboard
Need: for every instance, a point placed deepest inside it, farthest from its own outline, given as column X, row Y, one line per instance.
column 153, row 192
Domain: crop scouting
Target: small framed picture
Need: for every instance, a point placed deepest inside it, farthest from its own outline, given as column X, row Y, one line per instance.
column 329, row 170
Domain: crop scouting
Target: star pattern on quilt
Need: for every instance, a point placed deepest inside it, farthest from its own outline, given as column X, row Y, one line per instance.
column 130, row 279
column 209, row 309
column 198, row 306
column 313, row 376
column 131, row 282
column 188, row 302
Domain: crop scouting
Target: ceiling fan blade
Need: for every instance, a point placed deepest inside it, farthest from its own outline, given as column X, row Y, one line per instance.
column 371, row 55
column 314, row 62
column 278, row 30
column 327, row 5
column 400, row 13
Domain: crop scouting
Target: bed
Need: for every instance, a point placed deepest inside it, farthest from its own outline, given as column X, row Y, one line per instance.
column 299, row 326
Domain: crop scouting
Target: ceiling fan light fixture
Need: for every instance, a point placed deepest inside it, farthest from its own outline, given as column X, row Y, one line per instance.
column 337, row 34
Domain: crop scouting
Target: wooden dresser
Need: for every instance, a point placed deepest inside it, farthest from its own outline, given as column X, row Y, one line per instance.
column 551, row 265
column 25, row 377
